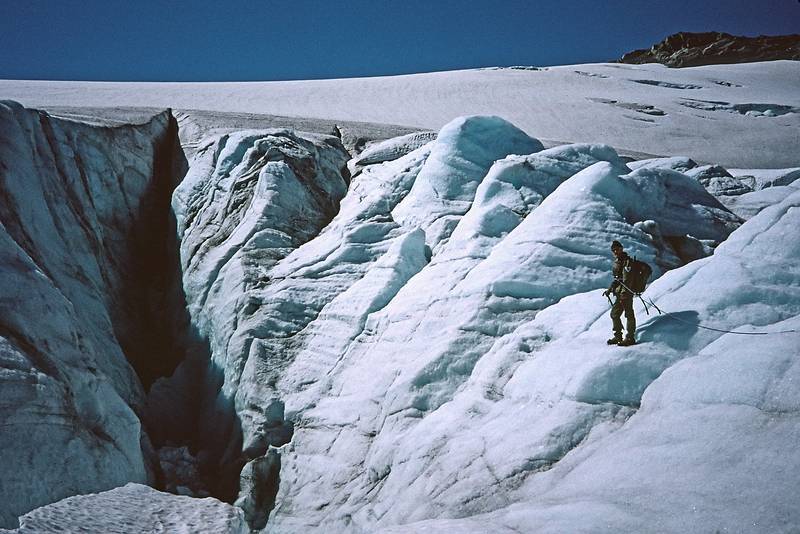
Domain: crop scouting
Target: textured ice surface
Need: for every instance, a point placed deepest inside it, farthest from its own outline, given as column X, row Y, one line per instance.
column 392, row 394
column 249, row 200
column 705, row 421
column 356, row 346
column 750, row 204
column 445, row 187
column 71, row 198
column 390, row 149
column 134, row 508
column 676, row 163
column 743, row 191
column 423, row 349
column 763, row 178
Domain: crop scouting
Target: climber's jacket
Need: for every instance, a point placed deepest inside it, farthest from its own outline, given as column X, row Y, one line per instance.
column 620, row 270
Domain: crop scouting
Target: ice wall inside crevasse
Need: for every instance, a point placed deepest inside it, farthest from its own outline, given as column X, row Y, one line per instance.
column 89, row 301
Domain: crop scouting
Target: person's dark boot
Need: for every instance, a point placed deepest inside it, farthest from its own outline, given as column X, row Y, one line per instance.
column 627, row 342
column 616, row 340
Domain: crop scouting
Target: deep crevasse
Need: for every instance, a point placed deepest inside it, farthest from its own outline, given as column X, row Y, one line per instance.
column 77, row 243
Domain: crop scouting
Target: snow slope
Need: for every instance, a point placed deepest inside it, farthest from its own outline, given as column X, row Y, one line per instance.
column 707, row 447
column 735, row 115
column 388, row 395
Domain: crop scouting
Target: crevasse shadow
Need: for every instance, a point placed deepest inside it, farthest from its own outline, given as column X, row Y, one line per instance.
column 187, row 406
column 185, row 403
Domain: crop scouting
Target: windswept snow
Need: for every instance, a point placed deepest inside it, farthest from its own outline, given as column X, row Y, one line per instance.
column 750, row 120
column 133, row 508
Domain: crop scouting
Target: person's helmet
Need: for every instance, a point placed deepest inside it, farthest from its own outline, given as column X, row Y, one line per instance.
column 616, row 244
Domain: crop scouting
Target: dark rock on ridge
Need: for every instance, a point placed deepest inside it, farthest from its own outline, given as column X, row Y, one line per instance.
column 685, row 49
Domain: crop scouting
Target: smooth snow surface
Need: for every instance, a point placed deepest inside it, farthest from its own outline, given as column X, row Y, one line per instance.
column 736, row 115
column 131, row 509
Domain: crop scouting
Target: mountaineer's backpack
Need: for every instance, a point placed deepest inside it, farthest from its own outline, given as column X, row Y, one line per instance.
column 638, row 274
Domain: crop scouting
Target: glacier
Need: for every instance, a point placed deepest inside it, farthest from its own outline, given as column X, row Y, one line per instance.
column 404, row 338
column 77, row 207
column 709, row 436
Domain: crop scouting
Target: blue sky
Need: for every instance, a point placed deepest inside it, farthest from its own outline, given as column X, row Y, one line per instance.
column 304, row 39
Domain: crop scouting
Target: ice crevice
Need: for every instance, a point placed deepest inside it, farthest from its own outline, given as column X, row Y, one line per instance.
column 287, row 187
column 91, row 307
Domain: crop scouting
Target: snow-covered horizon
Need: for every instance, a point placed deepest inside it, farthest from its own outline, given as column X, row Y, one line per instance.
column 645, row 108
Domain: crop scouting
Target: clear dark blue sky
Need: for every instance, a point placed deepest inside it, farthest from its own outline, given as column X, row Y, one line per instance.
column 304, row 39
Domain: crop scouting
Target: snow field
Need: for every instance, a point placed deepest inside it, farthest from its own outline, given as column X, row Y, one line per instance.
column 714, row 114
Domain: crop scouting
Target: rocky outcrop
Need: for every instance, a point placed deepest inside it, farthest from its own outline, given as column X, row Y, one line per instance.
column 85, row 301
column 686, row 49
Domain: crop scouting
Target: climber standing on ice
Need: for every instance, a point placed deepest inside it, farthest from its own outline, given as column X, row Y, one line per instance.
column 623, row 297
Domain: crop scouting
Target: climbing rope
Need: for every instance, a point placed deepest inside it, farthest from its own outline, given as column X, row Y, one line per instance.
column 697, row 325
